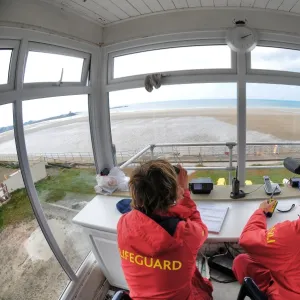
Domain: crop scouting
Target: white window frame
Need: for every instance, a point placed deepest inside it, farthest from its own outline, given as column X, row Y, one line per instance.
column 241, row 71
column 15, row 93
column 196, row 43
column 46, row 48
column 14, row 46
column 274, row 40
column 172, row 77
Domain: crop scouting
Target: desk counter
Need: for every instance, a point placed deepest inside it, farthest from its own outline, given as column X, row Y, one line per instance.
column 100, row 217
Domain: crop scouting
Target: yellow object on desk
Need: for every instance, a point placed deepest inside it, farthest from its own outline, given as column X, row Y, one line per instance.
column 274, row 203
column 221, row 181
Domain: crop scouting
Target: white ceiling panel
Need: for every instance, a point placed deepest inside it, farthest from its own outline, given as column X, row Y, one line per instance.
column 126, row 7
column 220, row 2
column 111, row 7
column 248, row 3
column 296, row 8
column 234, row 2
column 287, row 5
column 207, row 2
column 140, row 6
column 154, row 5
column 180, row 3
column 274, row 4
column 261, row 3
column 98, row 9
column 193, row 3
column 110, row 11
column 167, row 4
column 81, row 10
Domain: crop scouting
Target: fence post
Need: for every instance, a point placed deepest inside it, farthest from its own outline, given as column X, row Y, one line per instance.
column 152, row 151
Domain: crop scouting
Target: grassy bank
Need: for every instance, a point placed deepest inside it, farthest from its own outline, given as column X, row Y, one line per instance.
column 17, row 210
column 52, row 189
column 256, row 176
column 63, row 181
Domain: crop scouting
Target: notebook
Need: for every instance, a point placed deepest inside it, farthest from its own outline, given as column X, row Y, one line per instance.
column 213, row 216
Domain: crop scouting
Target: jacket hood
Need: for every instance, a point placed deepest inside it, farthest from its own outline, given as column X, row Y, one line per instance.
column 145, row 235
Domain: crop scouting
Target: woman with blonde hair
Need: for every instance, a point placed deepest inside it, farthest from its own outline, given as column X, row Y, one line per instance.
column 160, row 238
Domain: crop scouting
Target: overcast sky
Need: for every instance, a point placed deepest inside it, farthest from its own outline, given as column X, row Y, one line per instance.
column 46, row 67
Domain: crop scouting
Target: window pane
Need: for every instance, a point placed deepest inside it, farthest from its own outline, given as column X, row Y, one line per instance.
column 57, row 132
column 29, row 269
column 268, row 58
column 272, row 117
column 5, row 56
column 48, row 67
column 173, row 59
column 190, row 113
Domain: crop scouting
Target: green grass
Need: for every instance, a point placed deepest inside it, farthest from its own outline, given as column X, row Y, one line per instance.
column 18, row 209
column 77, row 181
column 256, row 176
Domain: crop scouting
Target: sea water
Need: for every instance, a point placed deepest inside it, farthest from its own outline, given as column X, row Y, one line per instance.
column 206, row 103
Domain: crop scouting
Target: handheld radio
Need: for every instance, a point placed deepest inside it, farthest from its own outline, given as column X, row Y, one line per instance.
column 236, row 192
column 274, row 203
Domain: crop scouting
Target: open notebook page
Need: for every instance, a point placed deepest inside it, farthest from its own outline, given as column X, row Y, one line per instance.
column 213, row 216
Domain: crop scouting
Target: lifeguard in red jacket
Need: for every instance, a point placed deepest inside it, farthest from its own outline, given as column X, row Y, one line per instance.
column 160, row 238
column 273, row 260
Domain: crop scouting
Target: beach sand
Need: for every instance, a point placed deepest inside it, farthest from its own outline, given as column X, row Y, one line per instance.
column 282, row 124
column 132, row 131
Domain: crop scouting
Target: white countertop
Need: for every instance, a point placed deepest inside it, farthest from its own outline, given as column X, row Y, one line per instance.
column 101, row 214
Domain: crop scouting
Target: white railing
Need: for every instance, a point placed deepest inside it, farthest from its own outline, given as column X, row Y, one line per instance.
column 188, row 153
column 218, row 152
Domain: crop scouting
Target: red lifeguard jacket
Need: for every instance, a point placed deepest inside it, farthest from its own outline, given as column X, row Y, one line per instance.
column 276, row 249
column 158, row 265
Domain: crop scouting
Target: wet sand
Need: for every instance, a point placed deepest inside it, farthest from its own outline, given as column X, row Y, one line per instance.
column 281, row 123
column 133, row 130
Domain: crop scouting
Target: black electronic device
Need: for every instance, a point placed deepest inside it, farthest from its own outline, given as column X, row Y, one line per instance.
column 222, row 263
column 236, row 192
column 293, row 165
column 295, row 182
column 201, row 185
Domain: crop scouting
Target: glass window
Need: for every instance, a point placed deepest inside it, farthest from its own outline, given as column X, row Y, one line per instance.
column 189, row 113
column 29, row 269
column 272, row 117
column 57, row 132
column 173, row 59
column 49, row 67
column 279, row 59
column 5, row 56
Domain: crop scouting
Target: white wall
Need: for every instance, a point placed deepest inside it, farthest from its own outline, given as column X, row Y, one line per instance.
column 197, row 20
column 48, row 17
column 15, row 182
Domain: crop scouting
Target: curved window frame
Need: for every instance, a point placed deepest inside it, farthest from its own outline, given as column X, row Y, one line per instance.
column 165, row 42
column 15, row 92
column 50, row 49
column 14, row 46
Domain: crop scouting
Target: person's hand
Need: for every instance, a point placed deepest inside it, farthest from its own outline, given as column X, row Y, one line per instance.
column 180, row 192
column 265, row 206
column 182, row 178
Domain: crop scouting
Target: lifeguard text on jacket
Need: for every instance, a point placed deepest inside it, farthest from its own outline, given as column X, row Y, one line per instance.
column 150, row 262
